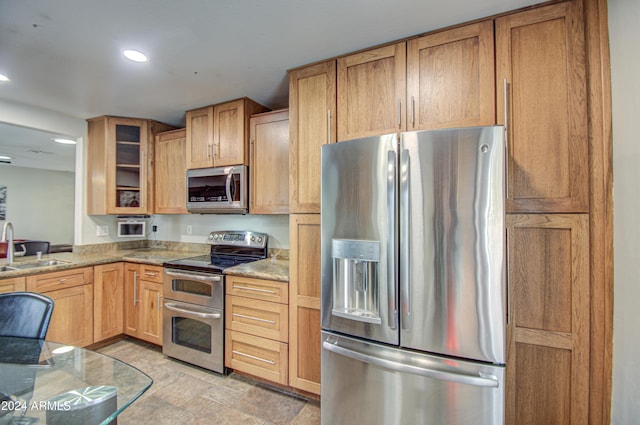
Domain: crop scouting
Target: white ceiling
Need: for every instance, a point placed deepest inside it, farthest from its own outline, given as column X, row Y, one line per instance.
column 65, row 55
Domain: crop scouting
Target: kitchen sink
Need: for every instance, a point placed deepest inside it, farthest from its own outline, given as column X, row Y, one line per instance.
column 35, row 264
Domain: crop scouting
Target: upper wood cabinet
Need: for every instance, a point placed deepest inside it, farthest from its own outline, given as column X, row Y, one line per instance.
column 371, row 92
column 119, row 165
column 269, row 164
column 218, row 135
column 541, row 73
column 450, row 78
column 312, row 123
column 170, row 178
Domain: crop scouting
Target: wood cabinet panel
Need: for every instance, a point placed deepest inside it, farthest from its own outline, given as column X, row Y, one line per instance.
column 170, row 178
column 255, row 317
column 72, row 318
column 269, row 143
column 14, row 284
column 548, row 332
column 108, row 301
column 143, row 302
column 259, row 289
column 541, row 72
column 257, row 356
column 312, row 123
column 304, row 302
column 59, row 280
column 229, row 134
column 450, row 78
column 371, row 92
column 150, row 308
column 199, row 134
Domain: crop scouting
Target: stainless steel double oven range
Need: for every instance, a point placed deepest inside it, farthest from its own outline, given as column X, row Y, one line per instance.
column 193, row 316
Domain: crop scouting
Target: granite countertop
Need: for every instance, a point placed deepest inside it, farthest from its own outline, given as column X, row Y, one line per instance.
column 273, row 269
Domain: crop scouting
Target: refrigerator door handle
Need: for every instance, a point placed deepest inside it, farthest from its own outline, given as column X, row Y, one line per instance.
column 479, row 380
column 391, row 238
column 405, row 243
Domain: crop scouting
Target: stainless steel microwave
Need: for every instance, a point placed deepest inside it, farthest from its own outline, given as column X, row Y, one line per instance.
column 218, row 190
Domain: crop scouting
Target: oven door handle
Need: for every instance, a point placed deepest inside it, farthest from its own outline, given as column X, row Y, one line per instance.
column 194, row 276
column 172, row 307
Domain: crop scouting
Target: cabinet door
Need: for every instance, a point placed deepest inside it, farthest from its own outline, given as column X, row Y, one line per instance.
column 150, row 321
column 200, row 138
column 126, row 178
column 371, row 92
column 269, row 137
column 12, row 285
column 450, row 78
column 548, row 332
column 304, row 303
column 312, row 121
column 131, row 298
column 108, row 301
column 229, row 136
column 72, row 319
column 170, row 178
column 540, row 60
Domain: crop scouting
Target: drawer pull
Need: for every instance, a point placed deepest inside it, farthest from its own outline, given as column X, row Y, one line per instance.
column 271, row 362
column 63, row 280
column 254, row 318
column 151, row 274
column 247, row 288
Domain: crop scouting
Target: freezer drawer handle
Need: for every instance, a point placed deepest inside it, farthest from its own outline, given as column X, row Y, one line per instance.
column 173, row 307
column 479, row 381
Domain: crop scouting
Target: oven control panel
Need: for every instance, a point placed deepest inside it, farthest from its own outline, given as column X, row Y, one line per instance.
column 238, row 238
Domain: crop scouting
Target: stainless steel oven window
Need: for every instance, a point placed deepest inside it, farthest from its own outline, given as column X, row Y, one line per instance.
column 191, row 333
column 191, row 287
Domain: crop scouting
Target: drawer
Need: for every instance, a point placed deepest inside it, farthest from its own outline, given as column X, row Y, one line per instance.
column 259, row 289
column 256, row 317
column 257, row 356
column 12, row 285
column 152, row 273
column 60, row 280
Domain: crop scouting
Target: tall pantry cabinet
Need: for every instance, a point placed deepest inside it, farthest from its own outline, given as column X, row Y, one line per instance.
column 543, row 72
column 312, row 123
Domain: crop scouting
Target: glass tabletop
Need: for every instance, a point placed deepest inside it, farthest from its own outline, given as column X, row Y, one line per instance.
column 44, row 382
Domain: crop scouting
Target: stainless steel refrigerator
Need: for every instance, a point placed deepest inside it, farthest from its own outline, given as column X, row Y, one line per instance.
column 413, row 279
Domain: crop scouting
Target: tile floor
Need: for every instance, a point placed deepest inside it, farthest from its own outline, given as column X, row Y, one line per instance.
column 184, row 394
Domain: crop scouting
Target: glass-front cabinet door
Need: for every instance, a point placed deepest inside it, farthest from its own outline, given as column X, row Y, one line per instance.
column 128, row 180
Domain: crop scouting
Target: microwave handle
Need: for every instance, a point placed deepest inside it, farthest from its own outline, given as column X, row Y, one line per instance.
column 229, row 177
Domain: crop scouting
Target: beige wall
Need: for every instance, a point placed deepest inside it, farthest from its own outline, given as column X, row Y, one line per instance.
column 624, row 32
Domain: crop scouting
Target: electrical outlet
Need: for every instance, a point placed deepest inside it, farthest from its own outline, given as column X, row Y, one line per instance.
column 189, row 229
column 154, row 228
column 102, row 231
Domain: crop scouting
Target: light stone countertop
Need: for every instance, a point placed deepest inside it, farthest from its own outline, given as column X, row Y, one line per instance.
column 273, row 269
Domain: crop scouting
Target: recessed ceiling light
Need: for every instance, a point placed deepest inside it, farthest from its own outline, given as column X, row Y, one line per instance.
column 65, row 141
column 135, row 56
column 4, row 77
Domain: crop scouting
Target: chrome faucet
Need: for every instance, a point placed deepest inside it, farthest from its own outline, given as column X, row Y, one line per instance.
column 7, row 236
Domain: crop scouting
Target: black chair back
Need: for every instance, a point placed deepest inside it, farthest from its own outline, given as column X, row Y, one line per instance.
column 33, row 247
column 25, row 314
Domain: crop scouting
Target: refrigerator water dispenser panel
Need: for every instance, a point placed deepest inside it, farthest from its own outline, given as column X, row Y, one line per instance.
column 355, row 280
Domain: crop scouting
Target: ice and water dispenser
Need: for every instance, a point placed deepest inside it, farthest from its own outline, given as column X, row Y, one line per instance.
column 355, row 279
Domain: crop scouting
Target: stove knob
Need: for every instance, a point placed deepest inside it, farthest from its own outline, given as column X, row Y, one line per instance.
column 211, row 236
column 260, row 239
column 253, row 238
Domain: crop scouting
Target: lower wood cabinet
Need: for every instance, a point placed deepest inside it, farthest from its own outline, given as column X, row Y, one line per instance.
column 143, row 302
column 72, row 293
column 304, row 302
column 547, row 380
column 108, row 301
column 257, row 328
column 12, row 285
